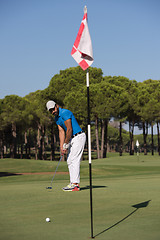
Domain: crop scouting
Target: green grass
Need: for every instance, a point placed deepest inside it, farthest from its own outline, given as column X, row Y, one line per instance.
column 118, row 183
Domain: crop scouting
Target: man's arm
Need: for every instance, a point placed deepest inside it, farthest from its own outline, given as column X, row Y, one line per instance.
column 69, row 130
column 61, row 137
column 65, row 138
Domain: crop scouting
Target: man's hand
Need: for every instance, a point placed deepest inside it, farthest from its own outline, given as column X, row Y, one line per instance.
column 64, row 151
column 65, row 148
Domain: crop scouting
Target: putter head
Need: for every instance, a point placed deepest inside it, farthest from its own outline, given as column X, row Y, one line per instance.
column 48, row 187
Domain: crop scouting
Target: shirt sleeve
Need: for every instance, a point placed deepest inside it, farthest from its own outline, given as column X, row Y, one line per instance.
column 67, row 115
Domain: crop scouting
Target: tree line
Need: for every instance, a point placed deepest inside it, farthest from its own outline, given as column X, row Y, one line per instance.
column 25, row 124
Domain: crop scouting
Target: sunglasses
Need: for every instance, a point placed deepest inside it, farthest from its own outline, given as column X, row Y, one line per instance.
column 51, row 110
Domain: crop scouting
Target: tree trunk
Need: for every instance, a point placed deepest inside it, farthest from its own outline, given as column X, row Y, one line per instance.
column 145, row 133
column 39, row 142
column 105, row 138
column 1, row 149
column 52, row 145
column 35, row 147
column 120, row 139
column 131, row 130
column 21, row 151
column 21, row 156
column 13, row 144
column 158, row 138
column 26, row 143
column 97, row 138
column 102, row 137
column 152, row 139
column 43, row 143
column 4, row 149
column 29, row 143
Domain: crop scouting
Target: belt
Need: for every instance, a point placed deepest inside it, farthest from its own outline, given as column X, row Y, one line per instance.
column 77, row 134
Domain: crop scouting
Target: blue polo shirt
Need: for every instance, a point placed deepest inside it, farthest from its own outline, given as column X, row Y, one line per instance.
column 64, row 115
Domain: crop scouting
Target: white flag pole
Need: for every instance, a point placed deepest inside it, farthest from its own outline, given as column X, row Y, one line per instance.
column 89, row 151
column 89, row 127
column 89, row 144
column 83, row 55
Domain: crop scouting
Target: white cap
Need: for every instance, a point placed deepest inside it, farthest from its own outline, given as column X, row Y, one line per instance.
column 50, row 104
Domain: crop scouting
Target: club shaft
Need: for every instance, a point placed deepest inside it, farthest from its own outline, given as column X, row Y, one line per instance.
column 56, row 168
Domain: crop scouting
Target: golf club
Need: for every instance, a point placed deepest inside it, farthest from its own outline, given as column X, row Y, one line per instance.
column 55, row 172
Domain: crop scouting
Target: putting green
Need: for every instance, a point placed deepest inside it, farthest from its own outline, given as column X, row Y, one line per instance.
column 118, row 184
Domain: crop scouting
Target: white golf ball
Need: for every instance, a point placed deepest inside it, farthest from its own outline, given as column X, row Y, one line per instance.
column 48, row 220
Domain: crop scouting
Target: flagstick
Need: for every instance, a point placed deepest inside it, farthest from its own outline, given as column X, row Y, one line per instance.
column 89, row 152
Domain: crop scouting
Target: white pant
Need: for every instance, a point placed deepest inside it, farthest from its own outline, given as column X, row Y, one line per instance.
column 75, row 152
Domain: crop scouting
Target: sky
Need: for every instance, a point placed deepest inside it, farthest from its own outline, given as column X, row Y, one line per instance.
column 36, row 39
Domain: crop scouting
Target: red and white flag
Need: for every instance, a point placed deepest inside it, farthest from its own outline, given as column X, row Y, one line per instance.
column 82, row 49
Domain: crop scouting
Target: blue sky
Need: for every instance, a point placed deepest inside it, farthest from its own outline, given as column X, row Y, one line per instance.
column 36, row 38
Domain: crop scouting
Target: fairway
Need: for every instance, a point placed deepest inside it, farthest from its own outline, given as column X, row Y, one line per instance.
column 119, row 183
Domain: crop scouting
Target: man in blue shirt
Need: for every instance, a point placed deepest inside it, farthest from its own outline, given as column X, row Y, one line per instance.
column 72, row 140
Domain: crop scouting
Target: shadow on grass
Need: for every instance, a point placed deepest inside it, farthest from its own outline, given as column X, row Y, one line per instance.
column 88, row 187
column 136, row 206
column 7, row 174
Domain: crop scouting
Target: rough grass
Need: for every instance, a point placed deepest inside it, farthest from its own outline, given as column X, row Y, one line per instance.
column 118, row 184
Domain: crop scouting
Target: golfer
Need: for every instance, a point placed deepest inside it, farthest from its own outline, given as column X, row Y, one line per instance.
column 72, row 141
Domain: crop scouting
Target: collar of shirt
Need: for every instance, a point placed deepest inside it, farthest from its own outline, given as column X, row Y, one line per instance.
column 60, row 109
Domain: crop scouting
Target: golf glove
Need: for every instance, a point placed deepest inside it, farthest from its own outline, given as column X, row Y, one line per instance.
column 65, row 146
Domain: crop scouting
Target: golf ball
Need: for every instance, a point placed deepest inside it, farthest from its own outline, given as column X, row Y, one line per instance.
column 48, row 220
